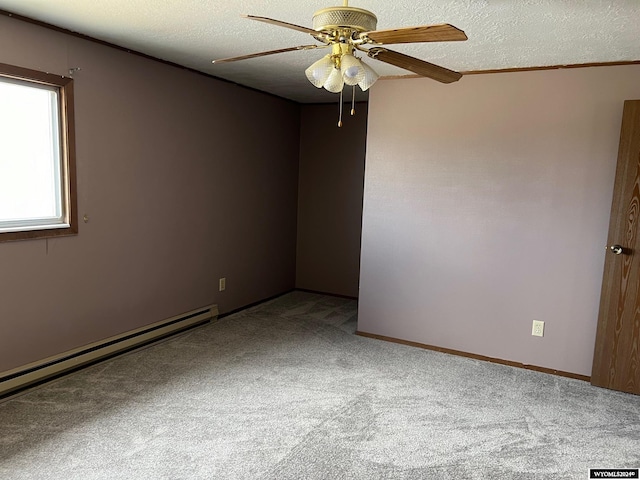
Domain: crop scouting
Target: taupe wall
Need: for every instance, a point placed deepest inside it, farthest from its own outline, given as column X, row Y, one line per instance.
column 185, row 179
column 330, row 199
column 486, row 206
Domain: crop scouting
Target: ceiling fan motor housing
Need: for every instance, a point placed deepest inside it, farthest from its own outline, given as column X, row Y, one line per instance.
column 335, row 18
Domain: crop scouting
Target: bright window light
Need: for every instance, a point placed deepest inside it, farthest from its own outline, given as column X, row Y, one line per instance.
column 34, row 159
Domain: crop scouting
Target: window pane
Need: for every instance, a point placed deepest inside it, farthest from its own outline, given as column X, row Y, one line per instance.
column 30, row 180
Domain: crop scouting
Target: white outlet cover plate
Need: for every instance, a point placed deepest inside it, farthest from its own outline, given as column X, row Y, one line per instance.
column 537, row 329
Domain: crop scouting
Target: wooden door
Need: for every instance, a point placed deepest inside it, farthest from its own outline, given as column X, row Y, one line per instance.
column 616, row 362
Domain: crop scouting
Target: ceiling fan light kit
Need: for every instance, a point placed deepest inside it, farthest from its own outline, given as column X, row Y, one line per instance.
column 346, row 30
column 352, row 70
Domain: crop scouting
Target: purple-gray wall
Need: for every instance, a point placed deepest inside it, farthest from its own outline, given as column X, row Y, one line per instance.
column 486, row 206
column 330, row 199
column 184, row 179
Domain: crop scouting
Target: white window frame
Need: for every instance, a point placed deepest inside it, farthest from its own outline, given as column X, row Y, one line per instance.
column 64, row 221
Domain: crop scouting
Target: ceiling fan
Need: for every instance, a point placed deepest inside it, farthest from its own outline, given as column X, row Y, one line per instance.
column 347, row 30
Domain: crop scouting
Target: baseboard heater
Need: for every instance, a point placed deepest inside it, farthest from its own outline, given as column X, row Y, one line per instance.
column 28, row 375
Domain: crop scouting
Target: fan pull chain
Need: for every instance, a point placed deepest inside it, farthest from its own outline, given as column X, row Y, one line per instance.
column 340, row 118
column 353, row 101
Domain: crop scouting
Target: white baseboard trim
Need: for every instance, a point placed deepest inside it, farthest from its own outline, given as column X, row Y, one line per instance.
column 25, row 375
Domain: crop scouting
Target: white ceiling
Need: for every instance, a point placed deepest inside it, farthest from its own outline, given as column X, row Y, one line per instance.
column 502, row 33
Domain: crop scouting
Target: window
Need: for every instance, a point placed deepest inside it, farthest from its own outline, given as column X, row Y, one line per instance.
column 37, row 158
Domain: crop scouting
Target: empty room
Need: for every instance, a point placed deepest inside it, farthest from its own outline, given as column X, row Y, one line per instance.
column 345, row 240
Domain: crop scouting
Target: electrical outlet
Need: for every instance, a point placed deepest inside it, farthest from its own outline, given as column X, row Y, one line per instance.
column 537, row 330
column 222, row 284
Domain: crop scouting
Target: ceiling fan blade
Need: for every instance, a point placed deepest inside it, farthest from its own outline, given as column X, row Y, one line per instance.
column 264, row 54
column 425, row 33
column 283, row 24
column 415, row 65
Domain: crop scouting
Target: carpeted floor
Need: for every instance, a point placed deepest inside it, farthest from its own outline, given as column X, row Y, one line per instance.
column 286, row 391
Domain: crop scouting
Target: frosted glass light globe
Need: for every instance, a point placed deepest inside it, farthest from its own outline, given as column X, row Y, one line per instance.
column 319, row 71
column 352, row 71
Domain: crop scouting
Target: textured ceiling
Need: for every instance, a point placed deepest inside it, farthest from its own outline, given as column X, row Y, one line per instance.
column 502, row 33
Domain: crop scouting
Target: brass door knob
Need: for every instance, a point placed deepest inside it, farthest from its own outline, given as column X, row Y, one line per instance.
column 616, row 249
